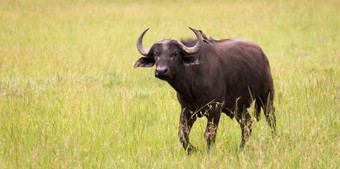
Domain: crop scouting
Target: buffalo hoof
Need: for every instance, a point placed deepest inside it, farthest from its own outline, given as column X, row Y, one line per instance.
column 191, row 149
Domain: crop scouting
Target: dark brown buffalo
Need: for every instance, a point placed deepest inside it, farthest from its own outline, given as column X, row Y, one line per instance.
column 213, row 76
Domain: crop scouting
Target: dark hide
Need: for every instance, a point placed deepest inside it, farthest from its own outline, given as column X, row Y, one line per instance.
column 223, row 76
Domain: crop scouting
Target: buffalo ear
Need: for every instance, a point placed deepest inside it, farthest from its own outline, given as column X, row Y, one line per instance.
column 145, row 62
column 190, row 60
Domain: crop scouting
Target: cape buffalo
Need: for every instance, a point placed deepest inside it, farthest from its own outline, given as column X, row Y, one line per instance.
column 210, row 77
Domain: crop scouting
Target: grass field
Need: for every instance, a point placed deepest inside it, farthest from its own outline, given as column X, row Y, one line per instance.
column 70, row 97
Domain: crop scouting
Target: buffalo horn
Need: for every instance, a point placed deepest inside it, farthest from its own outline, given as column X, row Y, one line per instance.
column 187, row 50
column 140, row 46
column 196, row 48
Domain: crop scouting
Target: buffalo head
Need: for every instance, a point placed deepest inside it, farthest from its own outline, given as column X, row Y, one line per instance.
column 168, row 55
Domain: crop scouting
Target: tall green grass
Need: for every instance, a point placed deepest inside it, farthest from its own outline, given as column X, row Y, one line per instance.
column 70, row 97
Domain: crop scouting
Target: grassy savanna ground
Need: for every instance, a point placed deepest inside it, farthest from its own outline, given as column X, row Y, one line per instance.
column 70, row 97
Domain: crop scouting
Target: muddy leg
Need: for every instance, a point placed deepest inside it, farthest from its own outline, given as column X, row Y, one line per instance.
column 212, row 125
column 258, row 105
column 269, row 112
column 246, row 126
column 185, row 123
column 271, row 118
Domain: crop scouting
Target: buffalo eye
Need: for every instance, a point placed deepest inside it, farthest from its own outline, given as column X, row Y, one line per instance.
column 173, row 56
column 156, row 55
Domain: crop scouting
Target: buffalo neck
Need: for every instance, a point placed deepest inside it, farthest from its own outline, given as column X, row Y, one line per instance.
column 184, row 81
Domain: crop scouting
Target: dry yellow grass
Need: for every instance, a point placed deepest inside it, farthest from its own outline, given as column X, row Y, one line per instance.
column 70, row 98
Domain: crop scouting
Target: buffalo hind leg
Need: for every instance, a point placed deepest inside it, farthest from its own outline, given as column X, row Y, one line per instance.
column 185, row 124
column 258, row 106
column 212, row 125
column 244, row 119
column 269, row 112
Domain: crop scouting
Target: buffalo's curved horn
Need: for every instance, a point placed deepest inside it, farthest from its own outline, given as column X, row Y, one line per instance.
column 197, row 47
column 142, row 50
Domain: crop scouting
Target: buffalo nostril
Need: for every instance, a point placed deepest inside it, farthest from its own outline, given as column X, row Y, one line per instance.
column 161, row 70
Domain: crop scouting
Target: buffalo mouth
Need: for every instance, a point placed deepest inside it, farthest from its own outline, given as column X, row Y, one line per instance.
column 162, row 72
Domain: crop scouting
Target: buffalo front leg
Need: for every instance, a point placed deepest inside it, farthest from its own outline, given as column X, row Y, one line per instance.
column 185, row 123
column 211, row 129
